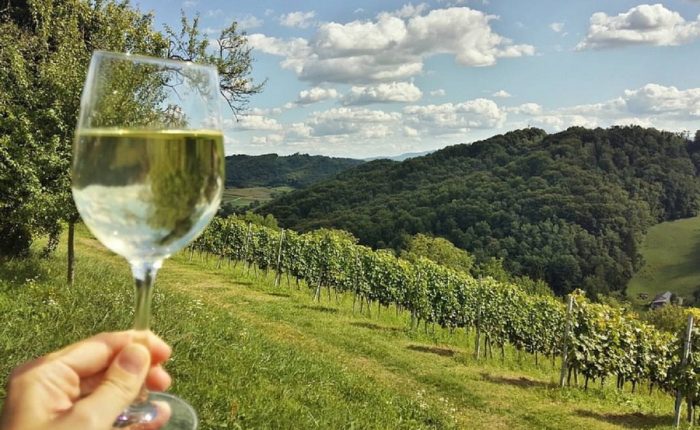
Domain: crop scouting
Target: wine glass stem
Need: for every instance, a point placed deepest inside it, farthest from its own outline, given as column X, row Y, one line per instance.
column 144, row 273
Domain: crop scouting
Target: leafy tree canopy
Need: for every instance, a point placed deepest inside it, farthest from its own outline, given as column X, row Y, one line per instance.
column 438, row 250
column 45, row 47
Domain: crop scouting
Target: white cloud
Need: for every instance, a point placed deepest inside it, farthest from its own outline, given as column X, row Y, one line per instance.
column 295, row 50
column 561, row 122
column 382, row 93
column 557, row 27
column 264, row 111
column 450, row 117
column 214, row 12
column 358, row 10
column 393, row 46
column 269, row 12
column 658, row 99
column 257, row 122
column 410, row 131
column 643, row 24
column 407, row 11
column 316, row 94
column 654, row 105
column 438, row 93
column 189, row 3
column 501, row 94
column 270, row 139
column 298, row 19
column 363, row 132
column 526, row 109
column 348, row 121
column 248, row 22
column 299, row 130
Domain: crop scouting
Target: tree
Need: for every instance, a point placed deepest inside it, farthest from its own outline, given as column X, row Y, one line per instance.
column 231, row 56
column 45, row 47
column 438, row 250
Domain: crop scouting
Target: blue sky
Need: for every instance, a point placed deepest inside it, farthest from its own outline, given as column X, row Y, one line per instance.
column 371, row 78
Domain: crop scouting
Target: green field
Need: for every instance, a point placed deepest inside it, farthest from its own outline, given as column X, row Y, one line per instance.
column 244, row 196
column 249, row 355
column 671, row 252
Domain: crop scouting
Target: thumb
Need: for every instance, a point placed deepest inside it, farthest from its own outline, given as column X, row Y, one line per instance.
column 121, row 385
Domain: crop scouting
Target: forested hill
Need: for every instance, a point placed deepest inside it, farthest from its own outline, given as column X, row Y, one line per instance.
column 570, row 208
column 272, row 170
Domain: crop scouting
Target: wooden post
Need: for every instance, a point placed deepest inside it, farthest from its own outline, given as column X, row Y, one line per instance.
column 565, row 346
column 684, row 361
column 317, row 295
column 279, row 259
column 477, row 349
column 245, row 246
column 70, row 276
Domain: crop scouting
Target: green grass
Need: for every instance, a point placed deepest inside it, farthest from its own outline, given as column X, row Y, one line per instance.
column 246, row 196
column 671, row 252
column 249, row 355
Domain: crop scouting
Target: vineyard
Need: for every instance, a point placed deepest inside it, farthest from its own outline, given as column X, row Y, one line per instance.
column 599, row 342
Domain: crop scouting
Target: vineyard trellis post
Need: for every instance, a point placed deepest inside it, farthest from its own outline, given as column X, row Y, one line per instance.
column 565, row 344
column 684, row 360
column 279, row 259
column 245, row 246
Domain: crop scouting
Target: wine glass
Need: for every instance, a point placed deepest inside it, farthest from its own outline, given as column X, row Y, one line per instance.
column 148, row 169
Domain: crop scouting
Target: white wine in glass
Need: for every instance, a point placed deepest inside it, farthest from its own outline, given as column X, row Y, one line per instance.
column 148, row 173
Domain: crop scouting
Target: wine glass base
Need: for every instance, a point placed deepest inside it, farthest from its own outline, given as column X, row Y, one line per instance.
column 162, row 411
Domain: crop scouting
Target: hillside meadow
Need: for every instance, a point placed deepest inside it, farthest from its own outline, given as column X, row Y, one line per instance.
column 249, row 355
column 671, row 252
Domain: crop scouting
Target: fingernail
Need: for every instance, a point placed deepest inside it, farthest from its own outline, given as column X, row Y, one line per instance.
column 133, row 358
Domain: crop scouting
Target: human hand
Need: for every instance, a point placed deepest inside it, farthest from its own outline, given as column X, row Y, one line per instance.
column 86, row 385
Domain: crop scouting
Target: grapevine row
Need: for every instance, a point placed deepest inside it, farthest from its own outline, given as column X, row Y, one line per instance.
column 603, row 342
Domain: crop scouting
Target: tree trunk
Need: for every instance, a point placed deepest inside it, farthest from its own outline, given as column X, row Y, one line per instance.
column 71, row 253
column 691, row 410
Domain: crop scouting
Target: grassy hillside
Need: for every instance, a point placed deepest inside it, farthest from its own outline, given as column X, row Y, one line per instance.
column 272, row 170
column 241, row 197
column 671, row 253
column 248, row 355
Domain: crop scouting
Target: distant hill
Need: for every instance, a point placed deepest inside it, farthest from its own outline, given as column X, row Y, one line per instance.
column 272, row 170
column 671, row 252
column 570, row 208
column 400, row 157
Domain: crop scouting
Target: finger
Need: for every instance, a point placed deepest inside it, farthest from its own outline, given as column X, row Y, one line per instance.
column 90, row 384
column 93, row 355
column 122, row 383
column 156, row 380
